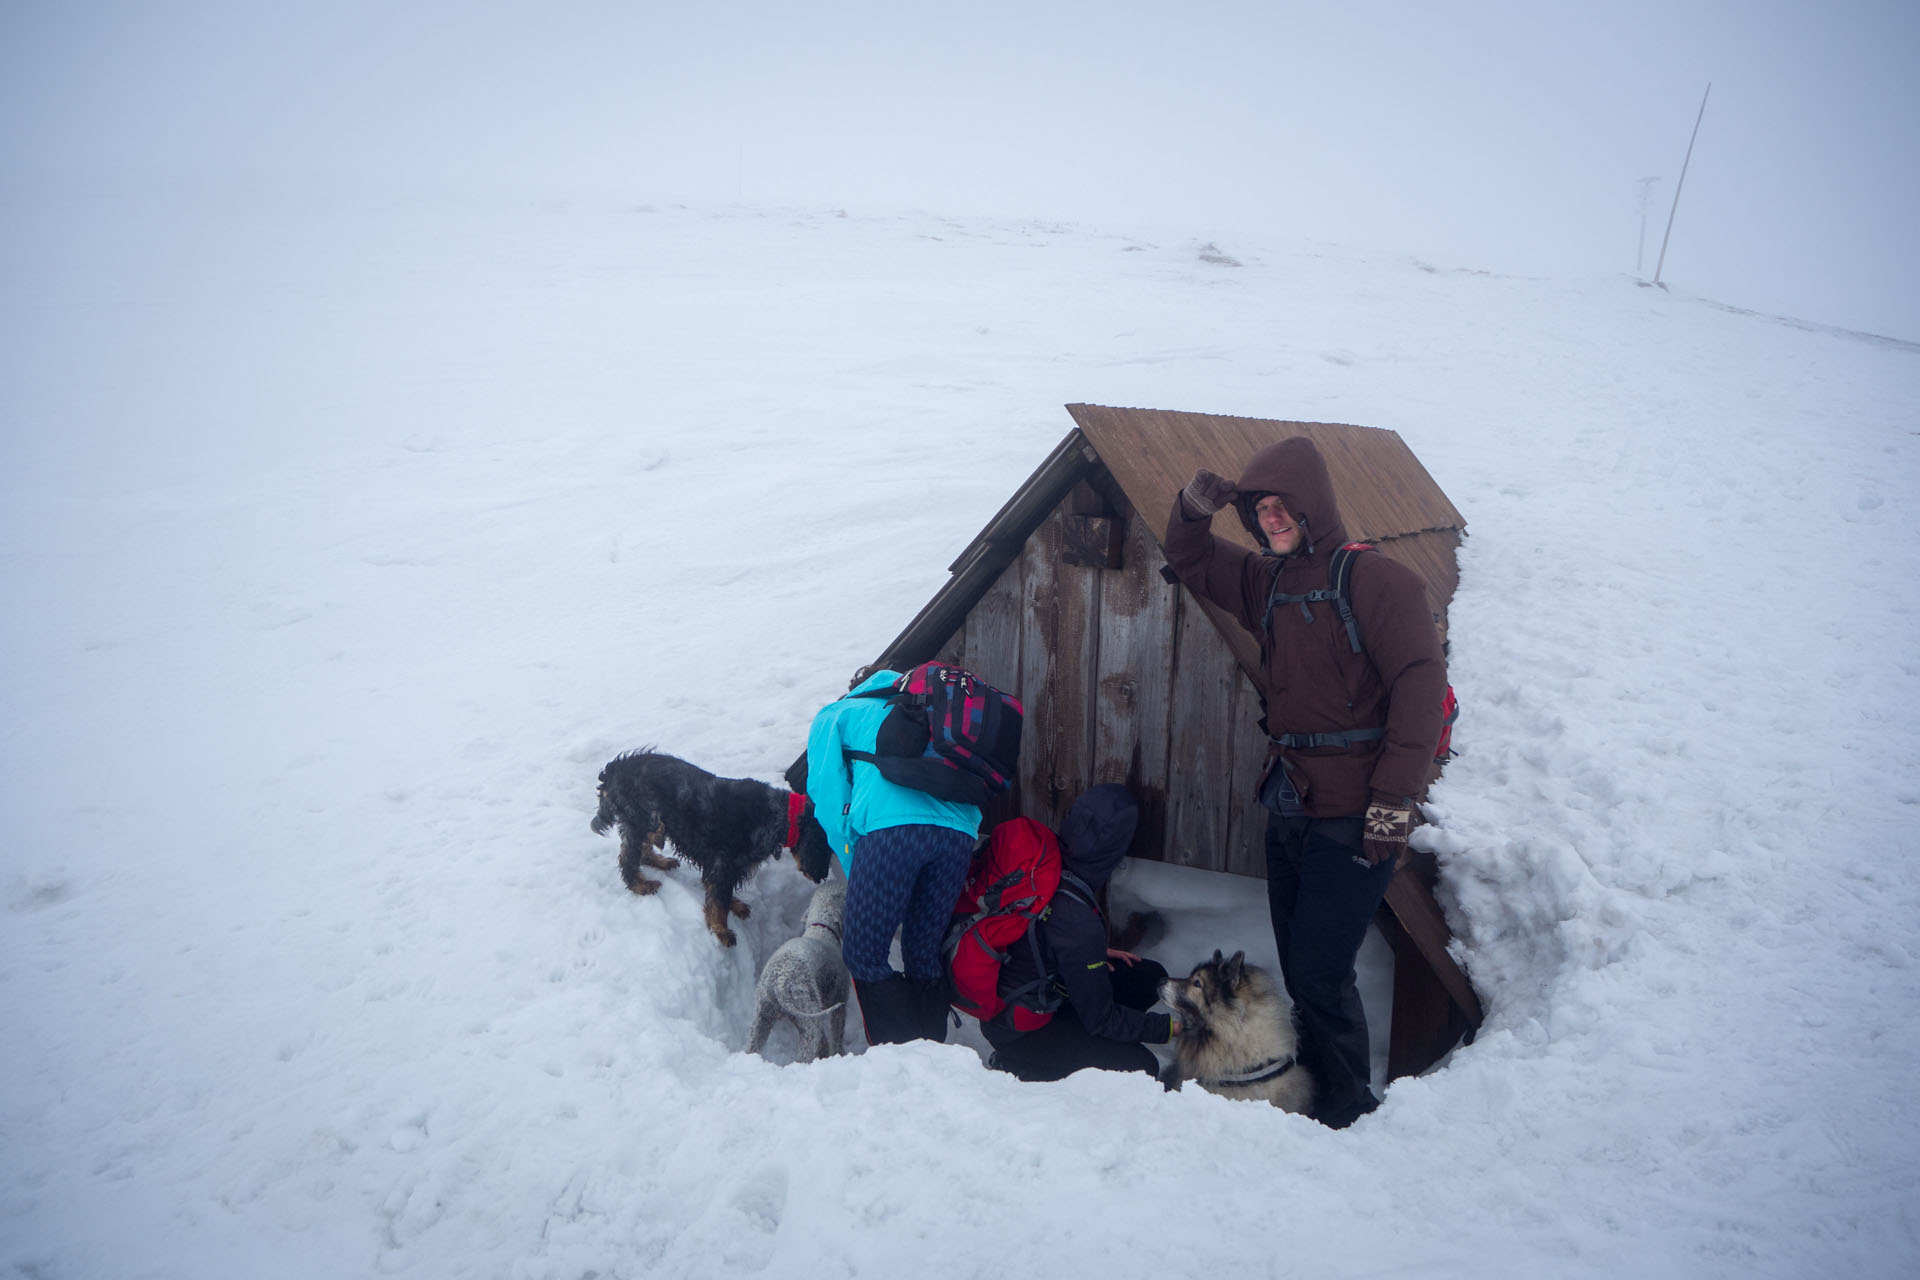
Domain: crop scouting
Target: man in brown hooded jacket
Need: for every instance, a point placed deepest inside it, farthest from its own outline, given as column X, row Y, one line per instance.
column 1353, row 733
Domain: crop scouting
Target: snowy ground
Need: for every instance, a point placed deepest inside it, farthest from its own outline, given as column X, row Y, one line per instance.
column 345, row 539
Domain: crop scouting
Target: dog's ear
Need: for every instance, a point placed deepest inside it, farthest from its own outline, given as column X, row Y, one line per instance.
column 1219, row 958
column 813, row 855
column 1236, row 969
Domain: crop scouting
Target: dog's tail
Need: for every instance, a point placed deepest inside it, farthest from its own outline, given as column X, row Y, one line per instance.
column 821, row 1013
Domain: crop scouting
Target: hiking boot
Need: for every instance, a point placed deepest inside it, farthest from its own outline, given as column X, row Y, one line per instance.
column 889, row 1009
column 1340, row 1116
column 931, row 1008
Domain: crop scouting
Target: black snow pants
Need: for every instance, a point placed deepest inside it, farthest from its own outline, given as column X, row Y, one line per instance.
column 1322, row 898
column 1063, row 1046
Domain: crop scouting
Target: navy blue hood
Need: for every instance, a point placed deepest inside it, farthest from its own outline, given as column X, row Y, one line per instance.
column 1098, row 832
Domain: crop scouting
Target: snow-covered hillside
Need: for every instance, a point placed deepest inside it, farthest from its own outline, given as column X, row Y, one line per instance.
column 345, row 539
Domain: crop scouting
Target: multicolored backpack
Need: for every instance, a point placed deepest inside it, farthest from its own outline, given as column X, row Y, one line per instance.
column 948, row 733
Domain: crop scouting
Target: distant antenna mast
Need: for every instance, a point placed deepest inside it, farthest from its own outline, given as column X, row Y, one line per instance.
column 1661, row 265
column 1646, row 198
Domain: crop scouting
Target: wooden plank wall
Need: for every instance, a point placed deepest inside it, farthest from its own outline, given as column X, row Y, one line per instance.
column 1057, row 670
column 988, row 644
column 1124, row 679
column 1134, row 686
column 1199, row 754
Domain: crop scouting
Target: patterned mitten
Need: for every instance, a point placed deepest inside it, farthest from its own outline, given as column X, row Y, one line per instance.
column 1384, row 835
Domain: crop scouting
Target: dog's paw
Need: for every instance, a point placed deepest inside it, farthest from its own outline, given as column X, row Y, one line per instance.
column 739, row 909
column 717, row 923
column 645, row 886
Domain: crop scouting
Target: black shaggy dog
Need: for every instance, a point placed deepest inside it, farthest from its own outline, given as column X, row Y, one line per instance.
column 724, row 826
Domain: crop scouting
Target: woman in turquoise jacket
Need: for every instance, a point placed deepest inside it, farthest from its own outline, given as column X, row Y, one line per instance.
column 906, row 855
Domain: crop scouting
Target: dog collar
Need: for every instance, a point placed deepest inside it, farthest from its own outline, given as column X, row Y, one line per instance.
column 1266, row 1071
column 797, row 805
column 829, row 928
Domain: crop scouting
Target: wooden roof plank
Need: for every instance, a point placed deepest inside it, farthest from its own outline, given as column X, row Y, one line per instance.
column 1383, row 489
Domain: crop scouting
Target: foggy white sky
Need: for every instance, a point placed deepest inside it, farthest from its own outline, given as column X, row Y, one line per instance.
column 1500, row 136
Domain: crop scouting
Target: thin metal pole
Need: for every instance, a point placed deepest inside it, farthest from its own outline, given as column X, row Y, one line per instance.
column 1681, row 183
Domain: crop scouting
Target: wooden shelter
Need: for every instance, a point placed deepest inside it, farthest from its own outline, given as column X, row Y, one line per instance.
column 1066, row 601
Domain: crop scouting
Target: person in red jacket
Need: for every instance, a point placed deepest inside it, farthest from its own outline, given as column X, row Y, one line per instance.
column 1352, row 734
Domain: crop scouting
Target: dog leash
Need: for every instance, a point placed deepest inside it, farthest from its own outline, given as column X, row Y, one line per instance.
column 1266, row 1071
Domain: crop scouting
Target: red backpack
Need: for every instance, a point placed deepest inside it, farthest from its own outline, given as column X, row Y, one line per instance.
column 1009, row 887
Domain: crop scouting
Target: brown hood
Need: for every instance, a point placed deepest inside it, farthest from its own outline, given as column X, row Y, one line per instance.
column 1294, row 470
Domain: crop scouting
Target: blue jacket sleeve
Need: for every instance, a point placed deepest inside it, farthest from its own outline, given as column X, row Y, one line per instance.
column 829, row 784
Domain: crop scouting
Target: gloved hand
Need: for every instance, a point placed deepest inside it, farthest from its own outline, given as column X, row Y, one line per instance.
column 1206, row 493
column 1389, row 822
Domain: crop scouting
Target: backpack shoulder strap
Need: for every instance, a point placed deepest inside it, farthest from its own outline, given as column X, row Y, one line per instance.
column 1338, row 590
column 1044, row 989
column 1073, row 886
column 1340, row 587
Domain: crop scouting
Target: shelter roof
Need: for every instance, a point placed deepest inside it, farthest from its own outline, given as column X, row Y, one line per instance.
column 1384, row 491
column 1386, row 497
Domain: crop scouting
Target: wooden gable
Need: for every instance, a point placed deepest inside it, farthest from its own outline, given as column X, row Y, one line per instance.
column 1064, row 600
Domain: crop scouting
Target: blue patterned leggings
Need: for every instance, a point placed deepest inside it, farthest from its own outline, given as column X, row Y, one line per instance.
column 906, row 878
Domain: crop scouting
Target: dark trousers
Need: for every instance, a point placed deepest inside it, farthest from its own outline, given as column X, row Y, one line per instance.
column 904, row 878
column 1063, row 1046
column 1322, row 898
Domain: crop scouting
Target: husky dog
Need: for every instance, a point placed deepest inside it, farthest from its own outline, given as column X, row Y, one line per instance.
column 725, row 826
column 1236, row 1035
column 805, row 981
